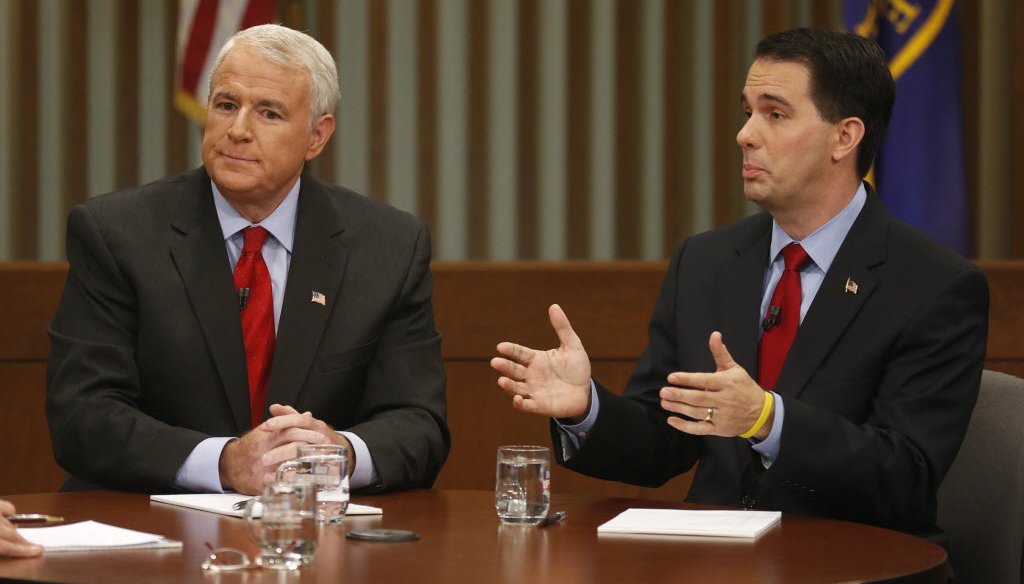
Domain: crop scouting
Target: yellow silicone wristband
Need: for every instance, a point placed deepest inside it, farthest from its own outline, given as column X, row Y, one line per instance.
column 766, row 409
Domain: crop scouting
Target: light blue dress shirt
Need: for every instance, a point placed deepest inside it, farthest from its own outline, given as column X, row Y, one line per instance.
column 822, row 247
column 201, row 471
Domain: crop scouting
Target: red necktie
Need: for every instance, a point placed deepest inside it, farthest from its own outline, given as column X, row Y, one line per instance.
column 252, row 280
column 782, row 318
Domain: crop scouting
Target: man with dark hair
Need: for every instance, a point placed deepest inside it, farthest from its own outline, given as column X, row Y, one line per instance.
column 845, row 80
column 855, row 344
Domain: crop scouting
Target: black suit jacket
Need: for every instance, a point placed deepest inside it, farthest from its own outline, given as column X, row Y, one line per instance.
column 878, row 386
column 147, row 357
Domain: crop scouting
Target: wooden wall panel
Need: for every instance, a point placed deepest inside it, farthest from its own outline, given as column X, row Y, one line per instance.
column 477, row 305
column 481, row 418
column 25, row 449
column 1006, row 316
column 595, row 170
column 24, row 117
column 1016, row 219
column 31, row 293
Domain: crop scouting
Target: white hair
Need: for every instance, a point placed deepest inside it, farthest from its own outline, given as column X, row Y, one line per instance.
column 290, row 48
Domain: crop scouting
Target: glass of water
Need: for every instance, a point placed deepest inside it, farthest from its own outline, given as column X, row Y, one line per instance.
column 326, row 466
column 284, row 528
column 522, row 491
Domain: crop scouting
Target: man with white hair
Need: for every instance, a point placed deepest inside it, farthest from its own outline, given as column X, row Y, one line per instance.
column 213, row 321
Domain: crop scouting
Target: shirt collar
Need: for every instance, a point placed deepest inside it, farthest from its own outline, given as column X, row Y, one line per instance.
column 280, row 223
column 823, row 245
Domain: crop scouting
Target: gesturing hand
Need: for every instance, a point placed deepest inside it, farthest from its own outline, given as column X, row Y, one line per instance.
column 732, row 397
column 553, row 383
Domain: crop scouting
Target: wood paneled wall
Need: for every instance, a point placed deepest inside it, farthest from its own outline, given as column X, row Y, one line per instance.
column 477, row 305
column 518, row 129
column 32, row 291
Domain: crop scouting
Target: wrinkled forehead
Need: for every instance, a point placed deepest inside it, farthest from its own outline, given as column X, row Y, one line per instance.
column 248, row 67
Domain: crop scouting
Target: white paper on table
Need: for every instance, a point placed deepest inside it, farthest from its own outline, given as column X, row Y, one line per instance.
column 223, row 503
column 704, row 523
column 92, row 535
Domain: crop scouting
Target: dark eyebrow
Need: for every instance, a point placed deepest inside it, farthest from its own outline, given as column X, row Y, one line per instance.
column 775, row 98
column 767, row 97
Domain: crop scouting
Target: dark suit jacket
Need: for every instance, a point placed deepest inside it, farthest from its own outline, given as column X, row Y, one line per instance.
column 878, row 385
column 147, row 357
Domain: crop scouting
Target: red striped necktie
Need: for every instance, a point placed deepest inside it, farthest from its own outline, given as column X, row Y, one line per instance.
column 252, row 280
column 782, row 319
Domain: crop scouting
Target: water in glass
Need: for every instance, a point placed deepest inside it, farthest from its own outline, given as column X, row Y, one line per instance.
column 328, row 474
column 522, row 492
column 291, row 536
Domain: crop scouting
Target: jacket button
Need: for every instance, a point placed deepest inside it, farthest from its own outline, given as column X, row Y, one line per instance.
column 748, row 501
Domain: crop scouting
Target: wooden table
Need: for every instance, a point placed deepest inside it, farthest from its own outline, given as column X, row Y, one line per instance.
column 462, row 541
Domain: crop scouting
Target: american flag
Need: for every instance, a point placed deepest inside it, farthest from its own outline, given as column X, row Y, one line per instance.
column 203, row 28
column 319, row 298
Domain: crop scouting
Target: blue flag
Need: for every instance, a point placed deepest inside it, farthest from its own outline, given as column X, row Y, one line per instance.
column 919, row 170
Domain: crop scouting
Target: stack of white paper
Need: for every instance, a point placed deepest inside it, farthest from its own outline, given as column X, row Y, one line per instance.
column 91, row 535
column 223, row 503
column 741, row 524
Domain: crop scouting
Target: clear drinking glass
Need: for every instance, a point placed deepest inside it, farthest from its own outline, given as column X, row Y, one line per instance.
column 286, row 530
column 326, row 467
column 522, row 491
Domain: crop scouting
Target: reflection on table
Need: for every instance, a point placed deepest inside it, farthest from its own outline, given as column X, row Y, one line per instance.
column 462, row 541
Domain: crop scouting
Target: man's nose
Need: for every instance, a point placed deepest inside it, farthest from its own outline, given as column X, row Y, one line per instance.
column 746, row 137
column 239, row 128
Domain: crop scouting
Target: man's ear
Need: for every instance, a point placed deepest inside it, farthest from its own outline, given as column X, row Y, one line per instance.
column 323, row 129
column 848, row 134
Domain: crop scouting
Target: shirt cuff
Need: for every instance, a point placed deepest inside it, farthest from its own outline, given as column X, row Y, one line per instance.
column 574, row 435
column 364, row 474
column 201, row 471
column 769, row 447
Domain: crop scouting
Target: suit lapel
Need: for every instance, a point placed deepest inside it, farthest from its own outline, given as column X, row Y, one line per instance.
column 834, row 306
column 317, row 265
column 202, row 263
column 739, row 288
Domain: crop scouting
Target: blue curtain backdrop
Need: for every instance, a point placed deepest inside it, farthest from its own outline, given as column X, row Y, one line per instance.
column 919, row 171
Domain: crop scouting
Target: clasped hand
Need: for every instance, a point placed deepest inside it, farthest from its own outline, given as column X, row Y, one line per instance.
column 247, row 462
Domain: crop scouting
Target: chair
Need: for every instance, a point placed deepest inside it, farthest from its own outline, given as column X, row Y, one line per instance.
column 981, row 501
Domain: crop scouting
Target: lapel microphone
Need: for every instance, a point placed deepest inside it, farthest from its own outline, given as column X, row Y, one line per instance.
column 771, row 319
column 243, row 297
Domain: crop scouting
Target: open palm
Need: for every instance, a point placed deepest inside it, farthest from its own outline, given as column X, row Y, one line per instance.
column 552, row 383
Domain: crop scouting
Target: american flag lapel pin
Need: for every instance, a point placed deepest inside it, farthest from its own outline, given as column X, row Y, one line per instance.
column 318, row 298
column 851, row 286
